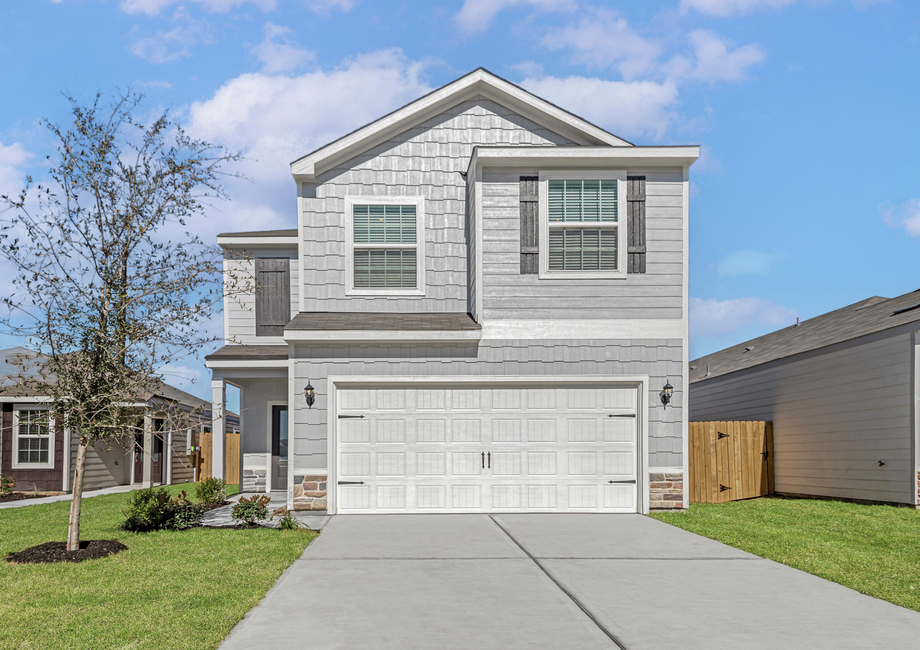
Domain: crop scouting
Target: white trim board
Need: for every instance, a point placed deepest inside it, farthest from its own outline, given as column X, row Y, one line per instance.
column 479, row 82
column 641, row 382
column 568, row 157
column 598, row 329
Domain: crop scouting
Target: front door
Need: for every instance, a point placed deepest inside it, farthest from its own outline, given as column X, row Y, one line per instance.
column 138, row 457
column 279, row 446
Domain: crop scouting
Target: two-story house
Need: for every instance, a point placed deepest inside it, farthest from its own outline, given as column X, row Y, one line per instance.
column 483, row 308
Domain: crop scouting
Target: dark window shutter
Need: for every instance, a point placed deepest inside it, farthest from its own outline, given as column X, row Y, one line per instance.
column 635, row 224
column 273, row 296
column 530, row 240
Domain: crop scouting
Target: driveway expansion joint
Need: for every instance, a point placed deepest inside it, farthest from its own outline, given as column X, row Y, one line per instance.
column 584, row 608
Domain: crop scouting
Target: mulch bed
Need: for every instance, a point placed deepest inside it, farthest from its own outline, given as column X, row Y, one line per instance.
column 19, row 496
column 214, row 506
column 57, row 552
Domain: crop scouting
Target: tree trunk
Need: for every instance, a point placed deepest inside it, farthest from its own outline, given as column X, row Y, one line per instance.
column 73, row 528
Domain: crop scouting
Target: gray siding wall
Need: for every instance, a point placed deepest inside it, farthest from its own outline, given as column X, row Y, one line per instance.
column 509, row 295
column 472, row 250
column 660, row 359
column 183, row 470
column 241, row 308
column 254, row 398
column 100, row 469
column 835, row 415
column 425, row 160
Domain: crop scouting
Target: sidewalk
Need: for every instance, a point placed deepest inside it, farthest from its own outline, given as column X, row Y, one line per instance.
column 223, row 518
column 118, row 489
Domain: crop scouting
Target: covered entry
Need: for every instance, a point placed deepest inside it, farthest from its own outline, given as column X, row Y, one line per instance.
column 552, row 446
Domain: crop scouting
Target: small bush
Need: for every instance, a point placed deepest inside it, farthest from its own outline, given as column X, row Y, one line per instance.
column 154, row 509
column 288, row 521
column 7, row 483
column 211, row 491
column 252, row 510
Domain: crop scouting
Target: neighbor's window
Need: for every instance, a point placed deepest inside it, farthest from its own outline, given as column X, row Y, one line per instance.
column 385, row 247
column 583, row 225
column 33, row 437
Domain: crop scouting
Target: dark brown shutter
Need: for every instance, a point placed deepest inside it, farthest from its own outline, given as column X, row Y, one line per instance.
column 635, row 224
column 273, row 296
column 530, row 240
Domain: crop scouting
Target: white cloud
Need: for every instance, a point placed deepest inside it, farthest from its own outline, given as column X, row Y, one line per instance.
column 716, row 318
column 626, row 108
column 154, row 7
column 476, row 15
column 325, row 7
column 278, row 118
column 739, row 263
column 906, row 216
column 175, row 44
column 729, row 7
column 278, row 53
column 12, row 177
column 602, row 39
column 714, row 60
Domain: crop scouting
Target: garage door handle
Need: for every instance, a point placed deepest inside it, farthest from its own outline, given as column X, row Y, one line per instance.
column 632, row 480
column 623, row 415
column 483, row 460
column 490, row 460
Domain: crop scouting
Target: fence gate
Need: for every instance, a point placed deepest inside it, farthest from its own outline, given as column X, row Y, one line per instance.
column 730, row 461
column 203, row 463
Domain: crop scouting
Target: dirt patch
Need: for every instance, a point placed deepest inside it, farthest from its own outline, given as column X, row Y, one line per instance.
column 57, row 552
column 19, row 496
column 214, row 506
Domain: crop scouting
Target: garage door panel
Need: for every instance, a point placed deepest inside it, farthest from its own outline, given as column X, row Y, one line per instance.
column 487, row 448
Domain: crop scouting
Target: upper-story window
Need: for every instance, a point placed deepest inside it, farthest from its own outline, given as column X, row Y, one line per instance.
column 386, row 246
column 581, row 218
column 33, row 438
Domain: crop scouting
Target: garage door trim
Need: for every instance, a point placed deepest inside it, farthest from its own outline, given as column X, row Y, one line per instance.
column 641, row 382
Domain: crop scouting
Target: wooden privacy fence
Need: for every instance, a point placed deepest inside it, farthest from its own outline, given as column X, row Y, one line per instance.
column 203, row 463
column 730, row 461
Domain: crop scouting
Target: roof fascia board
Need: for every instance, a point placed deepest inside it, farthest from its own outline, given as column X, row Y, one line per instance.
column 682, row 156
column 476, row 83
column 257, row 242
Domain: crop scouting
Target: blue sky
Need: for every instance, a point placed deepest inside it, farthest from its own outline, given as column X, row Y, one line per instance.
column 806, row 198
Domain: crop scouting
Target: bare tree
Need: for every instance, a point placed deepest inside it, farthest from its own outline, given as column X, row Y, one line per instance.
column 109, row 284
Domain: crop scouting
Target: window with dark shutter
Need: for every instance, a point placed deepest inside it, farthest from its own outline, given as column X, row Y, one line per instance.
column 530, row 242
column 635, row 226
column 583, row 225
column 273, row 296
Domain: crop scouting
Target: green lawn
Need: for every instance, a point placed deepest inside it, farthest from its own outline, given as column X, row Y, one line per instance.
column 170, row 589
column 872, row 549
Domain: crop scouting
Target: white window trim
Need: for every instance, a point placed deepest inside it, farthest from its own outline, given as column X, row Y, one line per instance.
column 16, row 464
column 419, row 203
column 622, row 235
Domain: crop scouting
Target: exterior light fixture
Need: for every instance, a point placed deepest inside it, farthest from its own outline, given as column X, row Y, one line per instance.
column 310, row 394
column 666, row 393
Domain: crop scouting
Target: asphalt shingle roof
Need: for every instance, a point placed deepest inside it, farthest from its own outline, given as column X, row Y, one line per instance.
column 872, row 315
column 330, row 320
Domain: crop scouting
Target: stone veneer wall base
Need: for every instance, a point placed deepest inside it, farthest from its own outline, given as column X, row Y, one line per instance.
column 666, row 491
column 254, row 480
column 310, row 492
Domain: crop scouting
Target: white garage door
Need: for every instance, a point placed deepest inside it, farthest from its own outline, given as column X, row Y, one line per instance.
column 486, row 448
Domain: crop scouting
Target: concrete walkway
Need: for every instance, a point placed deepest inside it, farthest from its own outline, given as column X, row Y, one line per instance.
column 553, row 581
column 223, row 517
column 67, row 497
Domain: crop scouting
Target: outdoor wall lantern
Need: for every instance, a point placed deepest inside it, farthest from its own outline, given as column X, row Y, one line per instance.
column 310, row 394
column 666, row 393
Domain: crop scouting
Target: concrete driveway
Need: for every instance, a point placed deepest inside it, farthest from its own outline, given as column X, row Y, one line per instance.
column 556, row 582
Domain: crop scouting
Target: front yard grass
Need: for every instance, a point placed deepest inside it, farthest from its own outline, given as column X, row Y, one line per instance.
column 170, row 589
column 872, row 549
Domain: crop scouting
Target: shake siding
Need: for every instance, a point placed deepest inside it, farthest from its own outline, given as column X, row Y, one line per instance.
column 835, row 415
column 507, row 294
column 425, row 160
column 241, row 308
column 660, row 359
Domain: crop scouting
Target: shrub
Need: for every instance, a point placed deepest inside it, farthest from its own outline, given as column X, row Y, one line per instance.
column 154, row 509
column 211, row 491
column 252, row 510
column 288, row 521
column 7, row 483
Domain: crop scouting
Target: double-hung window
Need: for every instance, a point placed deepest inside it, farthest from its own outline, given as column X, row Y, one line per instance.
column 386, row 245
column 33, row 438
column 584, row 227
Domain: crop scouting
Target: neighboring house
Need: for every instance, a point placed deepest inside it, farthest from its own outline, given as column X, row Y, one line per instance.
column 486, row 294
column 843, row 393
column 32, row 450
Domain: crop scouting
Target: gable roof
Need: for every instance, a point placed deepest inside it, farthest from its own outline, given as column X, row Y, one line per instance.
column 478, row 82
column 868, row 316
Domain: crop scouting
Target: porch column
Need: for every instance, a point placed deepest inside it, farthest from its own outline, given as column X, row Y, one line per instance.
column 218, row 427
column 147, row 476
